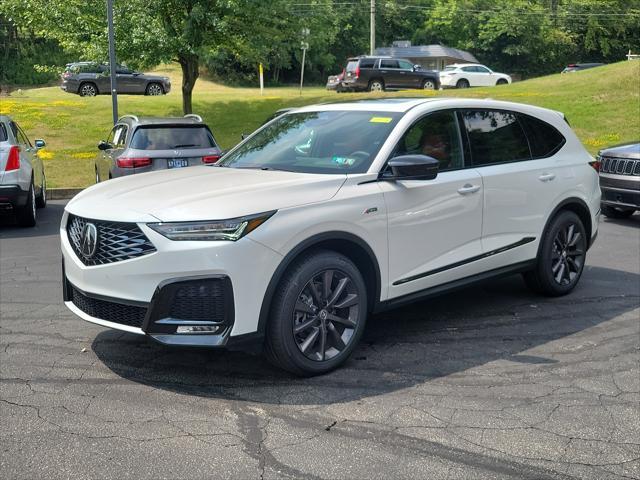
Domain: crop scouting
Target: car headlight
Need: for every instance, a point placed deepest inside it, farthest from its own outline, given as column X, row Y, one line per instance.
column 209, row 230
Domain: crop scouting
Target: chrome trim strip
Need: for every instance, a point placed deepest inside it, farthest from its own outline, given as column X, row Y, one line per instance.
column 103, row 323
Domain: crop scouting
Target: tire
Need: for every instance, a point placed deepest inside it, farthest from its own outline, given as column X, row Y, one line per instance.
column 462, row 83
column 41, row 200
column 325, row 337
column 502, row 81
column 26, row 216
column 88, row 90
column 561, row 256
column 615, row 212
column 428, row 85
column 376, row 86
column 154, row 89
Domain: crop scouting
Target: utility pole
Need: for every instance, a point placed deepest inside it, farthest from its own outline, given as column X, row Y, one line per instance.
column 304, row 45
column 372, row 38
column 112, row 62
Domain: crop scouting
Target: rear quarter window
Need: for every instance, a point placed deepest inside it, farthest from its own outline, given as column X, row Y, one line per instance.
column 544, row 139
column 367, row 63
column 3, row 133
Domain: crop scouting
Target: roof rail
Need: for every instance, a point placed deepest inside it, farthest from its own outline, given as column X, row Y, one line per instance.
column 193, row 115
column 129, row 116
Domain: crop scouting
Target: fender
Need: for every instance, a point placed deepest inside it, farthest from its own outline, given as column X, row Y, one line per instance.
column 305, row 245
column 568, row 201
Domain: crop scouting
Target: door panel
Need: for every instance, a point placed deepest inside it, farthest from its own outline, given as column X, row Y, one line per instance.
column 390, row 73
column 432, row 225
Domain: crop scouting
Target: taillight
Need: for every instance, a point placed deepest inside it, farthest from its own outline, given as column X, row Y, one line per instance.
column 13, row 162
column 596, row 164
column 210, row 158
column 133, row 162
column 357, row 72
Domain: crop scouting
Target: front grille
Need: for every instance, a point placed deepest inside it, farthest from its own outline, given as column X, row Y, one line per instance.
column 620, row 166
column 116, row 241
column 199, row 301
column 130, row 315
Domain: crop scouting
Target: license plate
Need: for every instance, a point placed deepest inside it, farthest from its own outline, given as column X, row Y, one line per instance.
column 177, row 163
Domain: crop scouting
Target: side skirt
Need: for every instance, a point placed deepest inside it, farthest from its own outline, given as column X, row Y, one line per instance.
column 455, row 285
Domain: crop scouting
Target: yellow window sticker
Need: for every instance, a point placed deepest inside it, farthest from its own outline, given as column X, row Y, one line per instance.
column 380, row 120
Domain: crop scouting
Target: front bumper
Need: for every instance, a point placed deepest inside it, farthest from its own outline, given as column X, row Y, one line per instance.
column 620, row 190
column 12, row 197
column 145, row 288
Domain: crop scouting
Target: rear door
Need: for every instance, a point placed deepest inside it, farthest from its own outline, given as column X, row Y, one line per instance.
column 434, row 226
column 521, row 183
column 390, row 73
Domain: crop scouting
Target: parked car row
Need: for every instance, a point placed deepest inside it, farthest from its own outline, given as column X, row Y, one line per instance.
column 378, row 73
column 89, row 79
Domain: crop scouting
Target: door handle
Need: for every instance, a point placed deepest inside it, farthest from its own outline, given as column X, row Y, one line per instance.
column 468, row 188
column 547, row 177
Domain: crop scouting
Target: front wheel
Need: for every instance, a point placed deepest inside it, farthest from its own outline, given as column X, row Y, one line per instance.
column 502, row 81
column 561, row 256
column 154, row 89
column 318, row 315
column 428, row 85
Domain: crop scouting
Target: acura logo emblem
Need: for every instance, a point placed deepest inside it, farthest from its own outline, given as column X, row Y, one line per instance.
column 89, row 240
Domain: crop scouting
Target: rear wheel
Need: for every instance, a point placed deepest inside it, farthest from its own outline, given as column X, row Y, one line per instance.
column 376, row 86
column 26, row 216
column 88, row 90
column 615, row 212
column 41, row 200
column 561, row 256
column 154, row 89
column 462, row 83
column 318, row 314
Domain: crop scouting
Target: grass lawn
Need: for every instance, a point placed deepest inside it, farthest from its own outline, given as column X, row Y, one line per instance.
column 602, row 104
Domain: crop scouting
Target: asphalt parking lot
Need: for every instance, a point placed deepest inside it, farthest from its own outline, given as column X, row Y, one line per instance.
column 489, row 382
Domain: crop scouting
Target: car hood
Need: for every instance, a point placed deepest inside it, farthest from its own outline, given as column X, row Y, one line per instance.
column 201, row 193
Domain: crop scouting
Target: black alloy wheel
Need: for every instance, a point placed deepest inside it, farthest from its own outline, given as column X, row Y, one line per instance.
column 325, row 315
column 318, row 314
column 561, row 256
column 154, row 89
column 462, row 84
column 88, row 90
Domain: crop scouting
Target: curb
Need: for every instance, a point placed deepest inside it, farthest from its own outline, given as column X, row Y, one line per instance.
column 62, row 193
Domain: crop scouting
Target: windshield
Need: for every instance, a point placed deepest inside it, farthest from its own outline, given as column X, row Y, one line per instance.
column 315, row 142
column 167, row 137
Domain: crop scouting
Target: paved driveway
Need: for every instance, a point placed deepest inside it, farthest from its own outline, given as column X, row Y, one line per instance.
column 489, row 382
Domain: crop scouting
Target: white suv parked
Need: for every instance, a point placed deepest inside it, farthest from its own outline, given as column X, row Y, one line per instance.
column 467, row 75
column 327, row 214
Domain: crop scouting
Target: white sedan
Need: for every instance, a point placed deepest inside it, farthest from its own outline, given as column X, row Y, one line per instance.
column 471, row 75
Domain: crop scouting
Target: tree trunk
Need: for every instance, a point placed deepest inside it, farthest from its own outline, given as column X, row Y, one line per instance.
column 190, row 73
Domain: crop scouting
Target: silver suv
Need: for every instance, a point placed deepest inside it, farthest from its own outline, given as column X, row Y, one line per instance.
column 23, row 185
column 142, row 144
column 620, row 180
column 89, row 79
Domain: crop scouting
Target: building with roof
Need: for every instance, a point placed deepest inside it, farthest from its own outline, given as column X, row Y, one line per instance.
column 430, row 57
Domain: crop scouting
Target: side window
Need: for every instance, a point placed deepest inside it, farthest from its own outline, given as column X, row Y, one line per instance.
column 3, row 133
column 387, row 63
column 367, row 62
column 23, row 138
column 469, row 69
column 404, row 65
column 544, row 139
column 481, row 69
column 495, row 137
column 14, row 129
column 436, row 135
column 120, row 135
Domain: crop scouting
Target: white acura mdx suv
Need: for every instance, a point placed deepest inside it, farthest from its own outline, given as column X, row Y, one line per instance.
column 329, row 213
column 465, row 75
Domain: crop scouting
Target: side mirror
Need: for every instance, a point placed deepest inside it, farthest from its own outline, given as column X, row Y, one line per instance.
column 104, row 145
column 411, row 167
column 135, row 74
column 417, row 67
column 39, row 143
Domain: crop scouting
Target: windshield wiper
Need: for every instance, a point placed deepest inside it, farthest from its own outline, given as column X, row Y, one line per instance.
column 265, row 168
column 185, row 145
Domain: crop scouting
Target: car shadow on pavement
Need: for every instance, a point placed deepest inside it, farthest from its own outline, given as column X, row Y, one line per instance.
column 47, row 223
column 499, row 320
